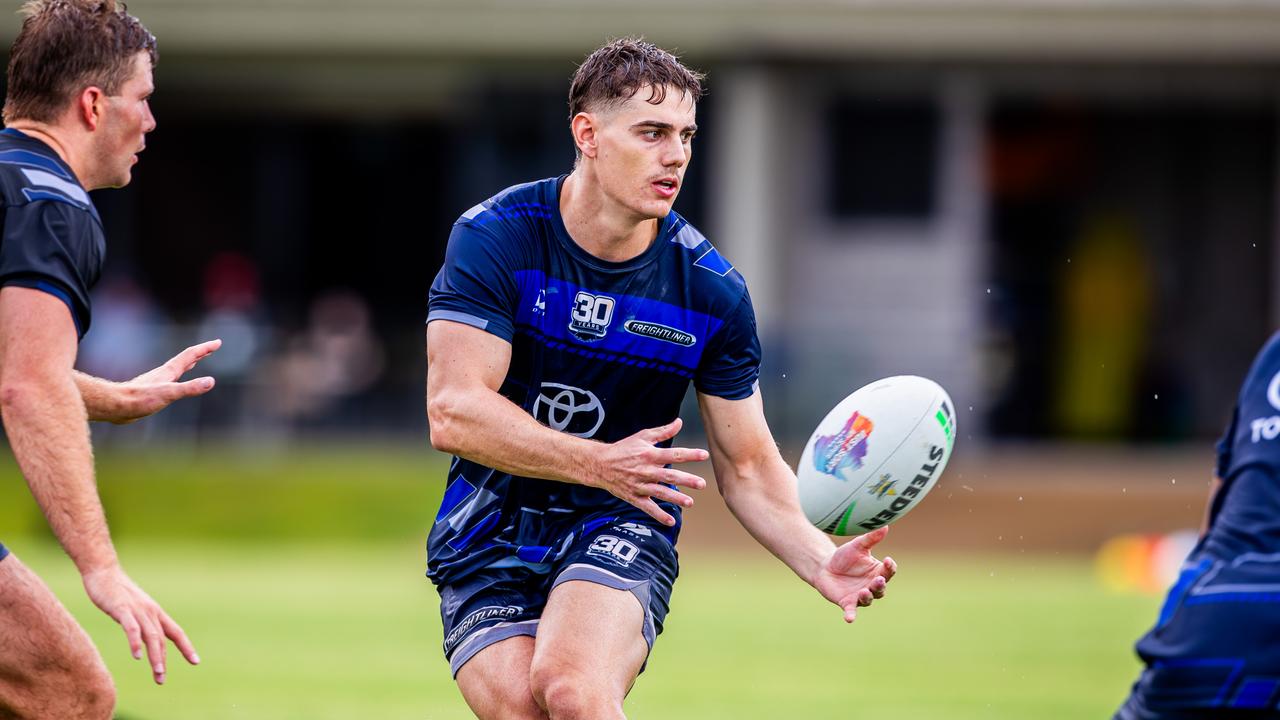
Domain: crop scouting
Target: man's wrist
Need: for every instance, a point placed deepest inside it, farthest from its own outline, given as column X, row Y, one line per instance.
column 103, row 560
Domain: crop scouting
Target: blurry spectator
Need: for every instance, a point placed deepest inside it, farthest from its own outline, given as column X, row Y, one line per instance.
column 128, row 332
column 336, row 357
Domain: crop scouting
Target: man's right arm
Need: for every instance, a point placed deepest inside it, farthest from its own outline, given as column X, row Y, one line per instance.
column 45, row 419
column 470, row 418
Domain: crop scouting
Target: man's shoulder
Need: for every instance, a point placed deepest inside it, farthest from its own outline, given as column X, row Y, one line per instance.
column 709, row 270
column 30, row 171
column 527, row 200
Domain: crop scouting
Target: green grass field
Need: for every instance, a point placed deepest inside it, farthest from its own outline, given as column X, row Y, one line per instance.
column 299, row 579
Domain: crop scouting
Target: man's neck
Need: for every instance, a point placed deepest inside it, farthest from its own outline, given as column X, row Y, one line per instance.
column 50, row 136
column 599, row 225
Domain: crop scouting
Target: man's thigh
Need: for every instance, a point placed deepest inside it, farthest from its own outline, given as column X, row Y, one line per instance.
column 495, row 681
column 606, row 607
column 45, row 656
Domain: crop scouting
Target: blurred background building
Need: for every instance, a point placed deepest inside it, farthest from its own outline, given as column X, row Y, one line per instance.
column 1063, row 210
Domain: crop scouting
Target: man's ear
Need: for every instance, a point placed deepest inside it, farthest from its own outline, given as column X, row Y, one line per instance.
column 89, row 106
column 584, row 126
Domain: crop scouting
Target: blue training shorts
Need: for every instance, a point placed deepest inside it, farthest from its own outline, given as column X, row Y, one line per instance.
column 4, row 551
column 1213, row 653
column 494, row 604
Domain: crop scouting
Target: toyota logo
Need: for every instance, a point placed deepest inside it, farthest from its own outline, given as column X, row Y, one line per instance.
column 569, row 409
column 1273, row 392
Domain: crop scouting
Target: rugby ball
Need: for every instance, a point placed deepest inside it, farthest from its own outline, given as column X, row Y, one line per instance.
column 876, row 455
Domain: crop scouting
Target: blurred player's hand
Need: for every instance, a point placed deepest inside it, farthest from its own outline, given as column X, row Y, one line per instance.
column 145, row 623
column 153, row 391
column 633, row 470
column 852, row 577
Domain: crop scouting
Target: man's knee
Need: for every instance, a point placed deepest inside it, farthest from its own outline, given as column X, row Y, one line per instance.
column 86, row 692
column 569, row 694
column 99, row 695
column 81, row 692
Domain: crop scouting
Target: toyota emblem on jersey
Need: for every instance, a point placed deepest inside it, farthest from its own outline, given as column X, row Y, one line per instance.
column 569, row 409
column 591, row 315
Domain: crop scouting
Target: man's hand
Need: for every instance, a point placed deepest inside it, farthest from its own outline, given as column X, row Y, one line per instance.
column 852, row 577
column 153, row 391
column 145, row 624
column 632, row 469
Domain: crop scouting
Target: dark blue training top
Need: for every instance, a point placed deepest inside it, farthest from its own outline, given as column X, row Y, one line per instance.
column 52, row 238
column 1245, row 515
column 600, row 350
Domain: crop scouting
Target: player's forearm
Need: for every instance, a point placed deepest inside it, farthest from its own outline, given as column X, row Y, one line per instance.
column 46, row 423
column 763, row 498
column 103, row 400
column 486, row 428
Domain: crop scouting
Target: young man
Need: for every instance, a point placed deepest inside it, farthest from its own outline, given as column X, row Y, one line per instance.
column 1213, row 653
column 76, row 117
column 568, row 320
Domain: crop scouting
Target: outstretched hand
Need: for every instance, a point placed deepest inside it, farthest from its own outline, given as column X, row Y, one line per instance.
column 145, row 623
column 634, row 469
column 852, row 577
column 154, row 390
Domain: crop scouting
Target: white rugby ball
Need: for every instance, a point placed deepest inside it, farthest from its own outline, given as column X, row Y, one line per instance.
column 876, row 455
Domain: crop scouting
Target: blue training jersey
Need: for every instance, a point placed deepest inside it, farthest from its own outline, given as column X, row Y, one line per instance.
column 1245, row 515
column 600, row 350
column 52, row 237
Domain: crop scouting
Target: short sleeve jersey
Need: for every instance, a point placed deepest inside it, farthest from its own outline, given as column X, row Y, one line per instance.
column 1245, row 515
column 52, row 236
column 599, row 350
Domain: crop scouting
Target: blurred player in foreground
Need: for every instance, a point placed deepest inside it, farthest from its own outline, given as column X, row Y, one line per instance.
column 569, row 318
column 76, row 116
column 1215, row 649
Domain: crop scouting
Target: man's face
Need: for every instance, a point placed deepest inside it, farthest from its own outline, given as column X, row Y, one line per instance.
column 644, row 149
column 126, row 120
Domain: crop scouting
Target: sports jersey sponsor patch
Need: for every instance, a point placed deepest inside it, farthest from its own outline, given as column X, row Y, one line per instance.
column 1268, row 428
column 485, row 613
column 591, row 315
column 657, row 331
column 569, row 409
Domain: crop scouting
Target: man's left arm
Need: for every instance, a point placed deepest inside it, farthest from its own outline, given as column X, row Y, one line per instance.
column 150, row 392
column 760, row 490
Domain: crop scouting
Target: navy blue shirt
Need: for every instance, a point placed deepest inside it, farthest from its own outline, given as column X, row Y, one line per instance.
column 1245, row 515
column 600, row 350
column 52, row 236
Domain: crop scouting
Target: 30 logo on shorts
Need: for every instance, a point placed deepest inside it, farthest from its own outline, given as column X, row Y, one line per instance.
column 614, row 549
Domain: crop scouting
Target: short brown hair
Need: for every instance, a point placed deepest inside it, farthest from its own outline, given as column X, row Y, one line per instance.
column 67, row 45
column 615, row 72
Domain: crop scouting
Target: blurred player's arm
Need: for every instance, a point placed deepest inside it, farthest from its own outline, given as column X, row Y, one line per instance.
column 150, row 392
column 760, row 490
column 45, row 419
column 471, row 419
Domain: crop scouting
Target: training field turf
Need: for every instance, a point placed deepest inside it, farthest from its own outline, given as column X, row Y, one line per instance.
column 311, row 632
column 317, row 620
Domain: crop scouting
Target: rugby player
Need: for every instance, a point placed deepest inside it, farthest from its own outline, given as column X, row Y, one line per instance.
column 1214, row 651
column 564, row 328
column 76, row 116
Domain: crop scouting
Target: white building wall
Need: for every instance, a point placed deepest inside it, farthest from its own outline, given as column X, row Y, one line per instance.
column 866, row 300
